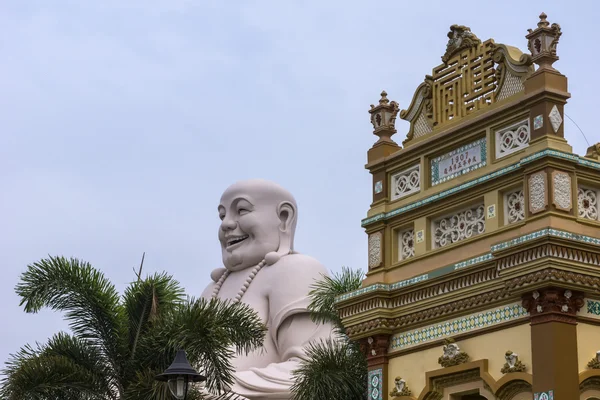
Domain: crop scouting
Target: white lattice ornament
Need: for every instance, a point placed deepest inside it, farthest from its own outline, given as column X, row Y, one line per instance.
column 514, row 209
column 459, row 226
column 512, row 138
column 587, row 203
column 407, row 244
column 406, row 182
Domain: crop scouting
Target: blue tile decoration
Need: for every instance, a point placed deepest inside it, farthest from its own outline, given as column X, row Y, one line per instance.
column 482, row 179
column 378, row 187
column 547, row 232
column 593, row 307
column 460, row 325
column 376, row 384
column 538, row 122
column 549, row 395
column 462, row 162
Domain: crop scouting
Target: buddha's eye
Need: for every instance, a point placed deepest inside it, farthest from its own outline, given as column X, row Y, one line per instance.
column 243, row 211
column 221, row 217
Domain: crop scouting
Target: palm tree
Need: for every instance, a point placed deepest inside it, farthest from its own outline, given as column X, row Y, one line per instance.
column 334, row 369
column 118, row 343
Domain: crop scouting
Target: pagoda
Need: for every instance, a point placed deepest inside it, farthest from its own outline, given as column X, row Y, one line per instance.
column 483, row 234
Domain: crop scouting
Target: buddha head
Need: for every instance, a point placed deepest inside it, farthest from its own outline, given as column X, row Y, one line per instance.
column 258, row 218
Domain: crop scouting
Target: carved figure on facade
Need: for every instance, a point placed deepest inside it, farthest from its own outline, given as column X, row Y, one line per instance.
column 460, row 38
column 452, row 354
column 594, row 362
column 400, row 388
column 513, row 364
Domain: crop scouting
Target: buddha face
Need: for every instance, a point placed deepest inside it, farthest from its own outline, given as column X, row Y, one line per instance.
column 252, row 221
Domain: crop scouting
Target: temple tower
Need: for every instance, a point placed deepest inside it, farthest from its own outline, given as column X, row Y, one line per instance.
column 483, row 234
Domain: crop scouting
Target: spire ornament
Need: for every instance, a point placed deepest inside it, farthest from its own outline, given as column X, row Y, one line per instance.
column 383, row 118
column 460, row 38
column 542, row 43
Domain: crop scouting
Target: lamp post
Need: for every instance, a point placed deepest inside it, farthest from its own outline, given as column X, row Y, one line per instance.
column 179, row 376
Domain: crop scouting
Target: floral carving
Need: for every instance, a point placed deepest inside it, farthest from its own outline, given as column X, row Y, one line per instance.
column 407, row 244
column 555, row 119
column 460, row 226
column 587, row 203
column 562, row 190
column 553, row 304
column 512, row 138
column 452, row 354
column 400, row 388
column 594, row 362
column 406, row 182
column 375, row 249
column 537, row 192
column 513, row 364
column 515, row 206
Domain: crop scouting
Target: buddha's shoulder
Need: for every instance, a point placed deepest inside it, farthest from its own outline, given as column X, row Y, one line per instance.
column 297, row 265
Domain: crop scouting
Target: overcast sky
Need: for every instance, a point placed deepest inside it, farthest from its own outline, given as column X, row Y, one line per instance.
column 122, row 121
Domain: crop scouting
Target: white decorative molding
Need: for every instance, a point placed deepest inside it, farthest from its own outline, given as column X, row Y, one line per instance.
column 459, row 161
column 406, row 244
column 561, row 194
column 406, row 182
column 512, row 138
column 459, row 226
column 375, row 253
column 538, row 195
column 514, row 207
column 587, row 203
column 555, row 119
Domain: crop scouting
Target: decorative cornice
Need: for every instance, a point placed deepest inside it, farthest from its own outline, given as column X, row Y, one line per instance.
column 488, row 177
column 503, row 263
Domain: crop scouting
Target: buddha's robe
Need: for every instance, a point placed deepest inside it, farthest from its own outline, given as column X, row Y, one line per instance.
column 279, row 294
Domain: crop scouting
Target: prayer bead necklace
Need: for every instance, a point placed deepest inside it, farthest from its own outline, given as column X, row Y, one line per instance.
column 244, row 287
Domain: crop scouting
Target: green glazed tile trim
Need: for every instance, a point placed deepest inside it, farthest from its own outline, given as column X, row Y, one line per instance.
column 593, row 307
column 384, row 287
column 485, row 178
column 456, row 326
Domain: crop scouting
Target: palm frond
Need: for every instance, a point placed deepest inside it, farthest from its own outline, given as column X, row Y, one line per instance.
column 323, row 294
column 47, row 372
column 210, row 332
column 89, row 300
column 145, row 300
column 333, row 370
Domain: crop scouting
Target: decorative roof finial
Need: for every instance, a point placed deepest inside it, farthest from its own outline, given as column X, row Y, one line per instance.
column 543, row 23
column 542, row 43
column 384, row 99
column 383, row 118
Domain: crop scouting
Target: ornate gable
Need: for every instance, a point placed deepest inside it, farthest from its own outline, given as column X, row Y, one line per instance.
column 474, row 75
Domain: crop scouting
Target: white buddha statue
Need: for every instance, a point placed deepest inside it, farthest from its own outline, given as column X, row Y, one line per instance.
column 263, row 270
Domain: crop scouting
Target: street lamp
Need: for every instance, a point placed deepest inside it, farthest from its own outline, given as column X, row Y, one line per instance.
column 179, row 376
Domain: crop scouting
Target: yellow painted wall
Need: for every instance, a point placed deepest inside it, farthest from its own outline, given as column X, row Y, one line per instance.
column 587, row 343
column 412, row 367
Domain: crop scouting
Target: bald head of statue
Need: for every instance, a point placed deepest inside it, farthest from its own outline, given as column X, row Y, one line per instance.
column 258, row 222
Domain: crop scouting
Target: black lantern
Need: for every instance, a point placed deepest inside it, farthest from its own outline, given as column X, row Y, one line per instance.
column 179, row 376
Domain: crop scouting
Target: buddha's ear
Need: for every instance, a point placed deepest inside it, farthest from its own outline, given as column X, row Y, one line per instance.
column 287, row 215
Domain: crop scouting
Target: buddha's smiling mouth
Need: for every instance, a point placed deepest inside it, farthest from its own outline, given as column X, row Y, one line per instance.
column 232, row 241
